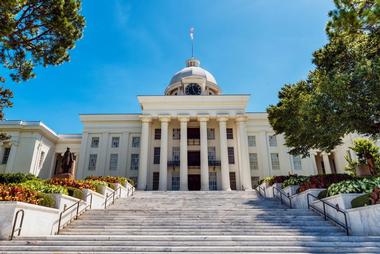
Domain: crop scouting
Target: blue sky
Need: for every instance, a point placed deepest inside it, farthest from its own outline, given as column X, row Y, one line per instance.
column 133, row 48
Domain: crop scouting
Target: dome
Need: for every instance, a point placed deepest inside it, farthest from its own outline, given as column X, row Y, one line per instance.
column 192, row 69
column 191, row 74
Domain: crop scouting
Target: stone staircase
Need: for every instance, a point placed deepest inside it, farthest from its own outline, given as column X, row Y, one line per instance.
column 196, row 222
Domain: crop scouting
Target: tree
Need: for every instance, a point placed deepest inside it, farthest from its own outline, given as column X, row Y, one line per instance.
column 343, row 91
column 35, row 32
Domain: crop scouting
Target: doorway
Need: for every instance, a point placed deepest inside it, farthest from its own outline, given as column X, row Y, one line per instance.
column 194, row 182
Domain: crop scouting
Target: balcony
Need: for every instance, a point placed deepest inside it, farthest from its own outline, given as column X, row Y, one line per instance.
column 177, row 163
column 193, row 142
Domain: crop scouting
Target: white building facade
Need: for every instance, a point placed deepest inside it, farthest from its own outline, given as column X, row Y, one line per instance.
column 191, row 138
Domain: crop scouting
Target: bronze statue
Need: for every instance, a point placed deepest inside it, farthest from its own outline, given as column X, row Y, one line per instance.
column 67, row 161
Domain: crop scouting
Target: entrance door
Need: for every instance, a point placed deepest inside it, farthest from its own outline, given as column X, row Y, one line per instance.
column 233, row 180
column 194, row 182
column 156, row 179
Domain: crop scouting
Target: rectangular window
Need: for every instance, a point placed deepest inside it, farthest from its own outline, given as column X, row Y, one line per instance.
column 115, row 142
column 253, row 163
column 212, row 184
column 113, row 161
column 230, row 134
column 275, row 160
column 95, row 142
column 6, row 153
column 231, row 155
column 272, row 141
column 157, row 134
column 211, row 153
column 175, row 153
column 176, row 134
column 210, row 133
column 175, row 183
column 251, row 141
column 156, row 156
column 135, row 142
column 42, row 158
column 297, row 162
column 135, row 157
column 92, row 162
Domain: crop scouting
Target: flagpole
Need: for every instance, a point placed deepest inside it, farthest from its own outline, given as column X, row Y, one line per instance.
column 192, row 41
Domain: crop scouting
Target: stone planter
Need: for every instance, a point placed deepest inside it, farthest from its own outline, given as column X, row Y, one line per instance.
column 62, row 201
column 269, row 189
column 291, row 190
column 123, row 192
column 38, row 220
column 97, row 199
column 299, row 200
column 105, row 190
column 364, row 220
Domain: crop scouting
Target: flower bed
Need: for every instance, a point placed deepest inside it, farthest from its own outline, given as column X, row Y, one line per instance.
column 23, row 194
column 68, row 182
column 294, row 180
column 111, row 179
column 322, row 181
column 7, row 178
column 359, row 185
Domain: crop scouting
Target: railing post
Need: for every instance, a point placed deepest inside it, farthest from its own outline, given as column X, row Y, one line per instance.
column 105, row 201
column 324, row 210
column 76, row 217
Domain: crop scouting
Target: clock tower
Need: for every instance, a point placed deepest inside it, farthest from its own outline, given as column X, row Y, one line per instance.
column 193, row 80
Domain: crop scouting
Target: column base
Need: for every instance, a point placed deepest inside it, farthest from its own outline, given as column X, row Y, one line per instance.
column 228, row 189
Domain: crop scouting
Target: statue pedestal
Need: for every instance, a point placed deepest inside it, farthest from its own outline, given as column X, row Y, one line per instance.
column 65, row 175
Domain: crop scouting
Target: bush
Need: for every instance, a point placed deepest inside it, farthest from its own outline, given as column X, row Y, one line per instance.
column 68, row 182
column 7, row 178
column 322, row 194
column 359, row 185
column 46, row 200
column 43, row 186
column 74, row 192
column 322, row 181
column 18, row 193
column 110, row 179
column 294, row 180
column 270, row 180
column 360, row 201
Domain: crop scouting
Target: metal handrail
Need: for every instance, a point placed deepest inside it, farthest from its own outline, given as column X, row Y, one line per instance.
column 14, row 224
column 262, row 189
column 77, row 204
column 113, row 196
column 325, row 215
column 282, row 194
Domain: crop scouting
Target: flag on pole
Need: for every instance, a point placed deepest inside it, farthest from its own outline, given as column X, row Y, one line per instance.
column 192, row 33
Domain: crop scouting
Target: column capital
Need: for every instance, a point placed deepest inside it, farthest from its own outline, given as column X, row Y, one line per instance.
column 146, row 119
column 165, row 119
column 183, row 118
column 222, row 118
column 241, row 118
column 203, row 118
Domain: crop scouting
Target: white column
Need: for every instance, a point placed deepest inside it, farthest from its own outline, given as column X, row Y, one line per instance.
column 204, row 153
column 164, row 153
column 245, row 170
column 183, row 155
column 326, row 163
column 144, row 146
column 81, row 169
column 12, row 154
column 224, row 154
column 102, row 168
column 124, row 147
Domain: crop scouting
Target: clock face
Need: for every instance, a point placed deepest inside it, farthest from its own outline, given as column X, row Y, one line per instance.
column 193, row 89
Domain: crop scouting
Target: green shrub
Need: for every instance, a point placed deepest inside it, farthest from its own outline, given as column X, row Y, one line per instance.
column 46, row 200
column 294, row 180
column 42, row 186
column 7, row 178
column 362, row 200
column 74, row 192
column 358, row 185
column 322, row 194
